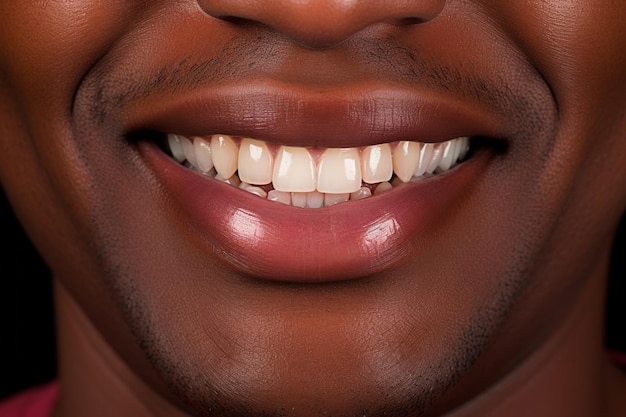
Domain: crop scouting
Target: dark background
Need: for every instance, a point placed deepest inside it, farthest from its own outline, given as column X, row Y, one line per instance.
column 27, row 351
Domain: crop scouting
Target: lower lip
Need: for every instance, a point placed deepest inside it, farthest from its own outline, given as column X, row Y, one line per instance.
column 268, row 240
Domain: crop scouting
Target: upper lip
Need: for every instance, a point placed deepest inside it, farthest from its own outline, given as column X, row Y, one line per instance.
column 341, row 116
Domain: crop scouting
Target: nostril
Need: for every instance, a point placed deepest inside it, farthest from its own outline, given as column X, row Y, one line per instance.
column 322, row 23
column 236, row 20
column 411, row 21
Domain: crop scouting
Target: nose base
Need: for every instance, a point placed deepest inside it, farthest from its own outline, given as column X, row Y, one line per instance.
column 322, row 24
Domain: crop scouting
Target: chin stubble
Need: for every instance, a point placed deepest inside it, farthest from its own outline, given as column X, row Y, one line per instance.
column 203, row 396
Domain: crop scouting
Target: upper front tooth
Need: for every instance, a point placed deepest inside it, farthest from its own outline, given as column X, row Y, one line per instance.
column 458, row 143
column 339, row 171
column 188, row 151
column 202, row 149
column 294, row 170
column 224, row 152
column 435, row 158
column 426, row 154
column 405, row 159
column 447, row 155
column 255, row 162
column 376, row 164
column 463, row 146
column 176, row 147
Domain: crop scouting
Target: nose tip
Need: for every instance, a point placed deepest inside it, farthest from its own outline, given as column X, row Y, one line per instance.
column 323, row 23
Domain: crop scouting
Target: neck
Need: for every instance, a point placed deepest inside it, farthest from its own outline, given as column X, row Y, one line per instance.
column 94, row 380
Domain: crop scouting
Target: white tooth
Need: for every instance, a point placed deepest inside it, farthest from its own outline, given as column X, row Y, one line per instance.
column 426, row 154
column 257, row 191
column 434, row 160
column 280, row 197
column 202, row 150
column 376, row 163
column 314, row 199
column 224, row 151
column 339, row 171
column 332, row 199
column 457, row 150
column 446, row 157
column 255, row 163
column 363, row 192
column 405, row 159
column 189, row 151
column 253, row 190
column 464, row 145
column 176, row 147
column 382, row 187
column 234, row 180
column 298, row 199
column 294, row 170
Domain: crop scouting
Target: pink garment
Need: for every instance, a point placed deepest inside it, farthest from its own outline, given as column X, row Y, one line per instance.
column 34, row 402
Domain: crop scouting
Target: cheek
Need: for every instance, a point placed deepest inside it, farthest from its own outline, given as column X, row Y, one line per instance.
column 575, row 46
column 46, row 47
column 45, row 50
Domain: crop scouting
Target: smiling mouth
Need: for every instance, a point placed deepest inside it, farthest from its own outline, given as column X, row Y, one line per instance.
column 313, row 177
column 336, row 193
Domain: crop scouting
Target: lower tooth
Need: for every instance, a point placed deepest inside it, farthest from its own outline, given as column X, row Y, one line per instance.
column 298, row 200
column 382, row 187
column 364, row 192
column 234, row 180
column 396, row 181
column 253, row 190
column 279, row 197
column 314, row 199
column 332, row 199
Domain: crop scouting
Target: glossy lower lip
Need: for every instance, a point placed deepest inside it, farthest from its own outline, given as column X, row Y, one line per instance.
column 263, row 239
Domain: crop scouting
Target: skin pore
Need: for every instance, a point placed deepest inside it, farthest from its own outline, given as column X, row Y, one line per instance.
column 475, row 292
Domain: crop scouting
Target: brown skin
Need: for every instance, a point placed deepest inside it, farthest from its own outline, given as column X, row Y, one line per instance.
column 498, row 312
